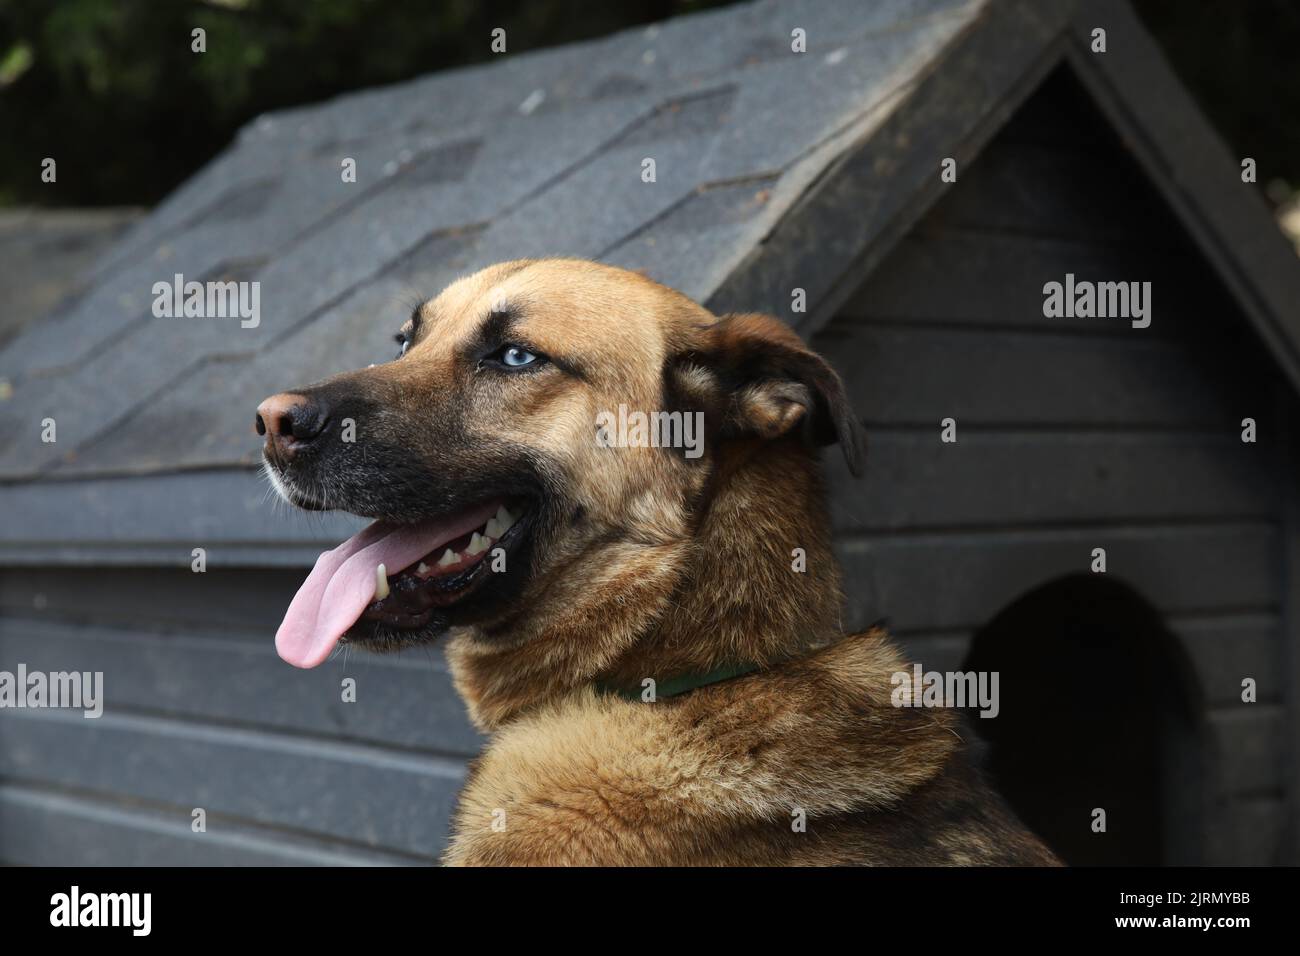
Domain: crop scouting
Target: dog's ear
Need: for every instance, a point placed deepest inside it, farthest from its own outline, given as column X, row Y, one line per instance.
column 773, row 382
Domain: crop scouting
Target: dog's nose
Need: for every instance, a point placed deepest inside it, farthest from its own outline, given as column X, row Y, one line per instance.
column 289, row 420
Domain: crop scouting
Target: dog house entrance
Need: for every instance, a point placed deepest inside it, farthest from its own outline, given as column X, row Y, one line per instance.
column 1097, row 712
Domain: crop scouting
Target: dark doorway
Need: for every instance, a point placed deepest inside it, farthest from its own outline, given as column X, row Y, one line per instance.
column 1097, row 709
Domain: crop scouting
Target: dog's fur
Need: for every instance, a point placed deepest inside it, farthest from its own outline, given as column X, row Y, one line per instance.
column 645, row 563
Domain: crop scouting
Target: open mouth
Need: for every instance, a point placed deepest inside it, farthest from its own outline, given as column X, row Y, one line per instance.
column 397, row 575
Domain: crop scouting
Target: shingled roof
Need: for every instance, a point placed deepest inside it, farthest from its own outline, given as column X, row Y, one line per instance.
column 774, row 169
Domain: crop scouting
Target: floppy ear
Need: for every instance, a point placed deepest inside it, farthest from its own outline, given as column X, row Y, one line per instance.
column 775, row 383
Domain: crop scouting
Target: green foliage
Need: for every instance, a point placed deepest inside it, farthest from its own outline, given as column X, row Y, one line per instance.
column 111, row 89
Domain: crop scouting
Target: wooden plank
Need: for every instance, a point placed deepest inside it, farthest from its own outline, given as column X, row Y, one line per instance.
column 400, row 700
column 1048, row 191
column 1059, row 113
column 1248, row 832
column 1224, row 649
column 960, row 580
column 914, row 480
column 1250, row 742
column 935, row 652
column 40, row 827
column 369, row 797
column 158, row 519
column 980, row 277
column 919, row 376
column 1289, row 636
column 248, row 605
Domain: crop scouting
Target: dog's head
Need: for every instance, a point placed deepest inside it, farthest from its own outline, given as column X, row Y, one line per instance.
column 544, row 422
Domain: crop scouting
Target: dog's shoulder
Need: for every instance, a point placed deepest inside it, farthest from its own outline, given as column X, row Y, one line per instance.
column 570, row 783
column 595, row 778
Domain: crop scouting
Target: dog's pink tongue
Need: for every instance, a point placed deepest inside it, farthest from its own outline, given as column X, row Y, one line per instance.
column 342, row 583
column 298, row 640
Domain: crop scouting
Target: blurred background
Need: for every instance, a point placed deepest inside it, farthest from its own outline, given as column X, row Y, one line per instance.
column 108, row 84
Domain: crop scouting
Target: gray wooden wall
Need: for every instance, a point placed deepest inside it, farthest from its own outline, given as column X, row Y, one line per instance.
column 202, row 713
column 1072, row 434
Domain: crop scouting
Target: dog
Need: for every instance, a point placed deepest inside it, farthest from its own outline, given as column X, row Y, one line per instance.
column 649, row 633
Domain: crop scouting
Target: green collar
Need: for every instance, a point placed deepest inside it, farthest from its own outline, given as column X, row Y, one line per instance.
column 684, row 684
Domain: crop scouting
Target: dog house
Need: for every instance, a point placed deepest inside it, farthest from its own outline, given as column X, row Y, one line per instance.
column 1060, row 496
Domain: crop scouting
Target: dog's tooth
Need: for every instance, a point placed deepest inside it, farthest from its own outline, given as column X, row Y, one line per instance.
column 421, row 568
column 505, row 519
column 493, row 529
column 448, row 558
column 477, row 544
column 381, row 582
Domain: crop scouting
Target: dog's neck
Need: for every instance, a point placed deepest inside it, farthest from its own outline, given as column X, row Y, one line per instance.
column 755, row 584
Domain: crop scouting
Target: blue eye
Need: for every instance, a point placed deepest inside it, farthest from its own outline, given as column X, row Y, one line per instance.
column 512, row 356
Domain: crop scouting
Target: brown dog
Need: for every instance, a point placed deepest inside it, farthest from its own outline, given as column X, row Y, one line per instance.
column 663, row 681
